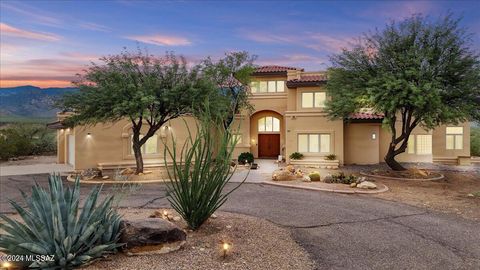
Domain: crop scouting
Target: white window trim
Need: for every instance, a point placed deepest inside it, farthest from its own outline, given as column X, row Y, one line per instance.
column 454, row 135
column 268, row 83
column 313, row 99
column 143, row 148
column 415, row 145
column 319, row 143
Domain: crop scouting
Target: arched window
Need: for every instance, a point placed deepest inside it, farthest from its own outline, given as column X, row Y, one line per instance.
column 268, row 124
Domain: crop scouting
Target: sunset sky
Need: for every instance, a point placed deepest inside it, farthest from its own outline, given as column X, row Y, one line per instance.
column 45, row 43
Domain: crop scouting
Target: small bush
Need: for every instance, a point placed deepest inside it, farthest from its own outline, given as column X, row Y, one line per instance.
column 296, row 155
column 245, row 156
column 51, row 226
column 341, row 178
column 331, row 157
column 314, row 176
column 26, row 139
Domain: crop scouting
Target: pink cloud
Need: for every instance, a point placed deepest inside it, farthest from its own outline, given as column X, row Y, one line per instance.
column 161, row 40
column 400, row 10
column 33, row 14
column 9, row 30
column 329, row 43
column 296, row 60
column 268, row 37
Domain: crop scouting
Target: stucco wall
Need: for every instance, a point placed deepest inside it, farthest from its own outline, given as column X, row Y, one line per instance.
column 254, row 130
column 360, row 146
column 439, row 142
column 313, row 122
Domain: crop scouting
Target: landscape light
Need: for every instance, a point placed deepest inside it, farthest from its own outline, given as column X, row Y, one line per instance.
column 89, row 135
column 225, row 247
column 374, row 136
column 6, row 265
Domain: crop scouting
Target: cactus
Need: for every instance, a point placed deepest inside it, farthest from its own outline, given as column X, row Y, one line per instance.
column 51, row 225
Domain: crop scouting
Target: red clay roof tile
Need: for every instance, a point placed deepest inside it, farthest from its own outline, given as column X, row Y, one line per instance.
column 363, row 115
column 270, row 69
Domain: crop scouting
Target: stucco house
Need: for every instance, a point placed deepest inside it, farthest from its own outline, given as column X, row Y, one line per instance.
column 288, row 117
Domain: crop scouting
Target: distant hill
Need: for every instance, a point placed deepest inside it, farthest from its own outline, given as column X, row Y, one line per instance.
column 28, row 101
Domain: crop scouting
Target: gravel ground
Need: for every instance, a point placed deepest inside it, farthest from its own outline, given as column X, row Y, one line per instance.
column 256, row 244
column 30, row 160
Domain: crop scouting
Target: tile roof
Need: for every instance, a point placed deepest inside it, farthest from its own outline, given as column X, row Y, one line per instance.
column 367, row 116
column 310, row 78
column 272, row 69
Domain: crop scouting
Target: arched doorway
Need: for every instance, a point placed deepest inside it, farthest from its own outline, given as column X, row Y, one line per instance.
column 266, row 133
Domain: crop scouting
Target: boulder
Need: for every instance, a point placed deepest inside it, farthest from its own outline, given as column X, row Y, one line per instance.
column 353, row 185
column 306, row 179
column 367, row 185
column 361, row 179
column 290, row 168
column 91, row 173
column 281, row 175
column 127, row 171
column 328, row 179
column 151, row 235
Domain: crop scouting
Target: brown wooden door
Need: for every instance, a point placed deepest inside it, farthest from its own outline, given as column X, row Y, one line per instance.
column 268, row 145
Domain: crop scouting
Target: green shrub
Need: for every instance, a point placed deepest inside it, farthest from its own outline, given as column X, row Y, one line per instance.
column 314, row 176
column 51, row 226
column 331, row 157
column 26, row 139
column 245, row 156
column 341, row 178
column 475, row 141
column 201, row 171
column 296, row 155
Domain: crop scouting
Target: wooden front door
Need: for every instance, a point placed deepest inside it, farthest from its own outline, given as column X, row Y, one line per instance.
column 268, row 145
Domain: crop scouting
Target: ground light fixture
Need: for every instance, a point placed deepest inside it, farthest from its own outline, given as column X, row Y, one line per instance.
column 89, row 135
column 225, row 249
column 6, row 265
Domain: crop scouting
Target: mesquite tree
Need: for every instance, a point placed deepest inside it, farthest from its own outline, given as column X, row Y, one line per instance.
column 231, row 74
column 417, row 72
column 147, row 90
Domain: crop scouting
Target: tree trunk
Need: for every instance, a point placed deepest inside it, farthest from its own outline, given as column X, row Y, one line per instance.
column 137, row 150
column 390, row 159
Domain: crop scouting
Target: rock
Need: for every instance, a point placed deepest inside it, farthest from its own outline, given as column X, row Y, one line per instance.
column 281, row 175
column 147, row 172
column 290, row 168
column 367, row 185
column 329, row 167
column 361, row 179
column 229, row 226
column 328, row 179
column 105, row 177
column 140, row 174
column 306, row 179
column 353, row 185
column 91, row 173
column 470, row 195
column 202, row 249
column 176, row 218
column 127, row 171
column 213, row 216
column 150, row 232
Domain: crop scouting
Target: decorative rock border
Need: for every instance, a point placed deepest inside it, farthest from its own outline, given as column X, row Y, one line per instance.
column 381, row 188
column 96, row 182
column 402, row 179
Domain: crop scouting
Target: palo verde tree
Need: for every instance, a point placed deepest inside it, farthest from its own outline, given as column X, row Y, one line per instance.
column 231, row 74
column 149, row 91
column 418, row 73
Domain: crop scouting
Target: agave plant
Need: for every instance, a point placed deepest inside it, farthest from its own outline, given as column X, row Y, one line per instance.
column 201, row 171
column 51, row 225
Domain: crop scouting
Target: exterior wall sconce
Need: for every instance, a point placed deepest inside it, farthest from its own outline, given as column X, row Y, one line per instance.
column 253, row 141
column 61, row 130
column 374, row 136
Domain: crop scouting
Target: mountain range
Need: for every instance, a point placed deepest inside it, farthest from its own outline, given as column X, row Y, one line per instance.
column 30, row 101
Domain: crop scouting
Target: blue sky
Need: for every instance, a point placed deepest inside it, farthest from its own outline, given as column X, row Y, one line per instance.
column 46, row 43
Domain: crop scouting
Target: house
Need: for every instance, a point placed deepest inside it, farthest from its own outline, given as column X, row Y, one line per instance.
column 288, row 117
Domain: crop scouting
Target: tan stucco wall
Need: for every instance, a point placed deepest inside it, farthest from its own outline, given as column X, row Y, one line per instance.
column 439, row 142
column 110, row 143
column 313, row 122
column 360, row 147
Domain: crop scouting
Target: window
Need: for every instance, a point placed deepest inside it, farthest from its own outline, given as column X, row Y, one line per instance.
column 267, row 86
column 268, row 124
column 411, row 144
column 314, row 143
column 150, row 146
column 313, row 99
column 424, row 144
column 454, row 138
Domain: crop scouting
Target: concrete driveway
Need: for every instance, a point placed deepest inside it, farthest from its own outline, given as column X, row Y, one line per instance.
column 339, row 231
column 34, row 169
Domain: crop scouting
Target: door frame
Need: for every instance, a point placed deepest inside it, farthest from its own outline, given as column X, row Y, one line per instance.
column 71, row 149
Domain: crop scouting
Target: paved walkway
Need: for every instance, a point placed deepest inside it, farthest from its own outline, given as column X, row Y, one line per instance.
column 263, row 173
column 34, row 169
column 339, row 231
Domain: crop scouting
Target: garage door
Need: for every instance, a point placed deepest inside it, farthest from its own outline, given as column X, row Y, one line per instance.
column 71, row 150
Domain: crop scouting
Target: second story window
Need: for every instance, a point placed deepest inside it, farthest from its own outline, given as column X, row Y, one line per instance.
column 268, row 124
column 267, row 86
column 313, row 99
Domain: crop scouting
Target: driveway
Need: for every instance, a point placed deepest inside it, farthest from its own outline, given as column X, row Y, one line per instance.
column 339, row 231
column 34, row 169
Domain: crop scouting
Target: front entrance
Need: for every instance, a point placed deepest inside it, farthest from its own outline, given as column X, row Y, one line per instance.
column 268, row 145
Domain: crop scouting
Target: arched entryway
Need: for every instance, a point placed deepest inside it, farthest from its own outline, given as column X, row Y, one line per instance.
column 266, row 128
